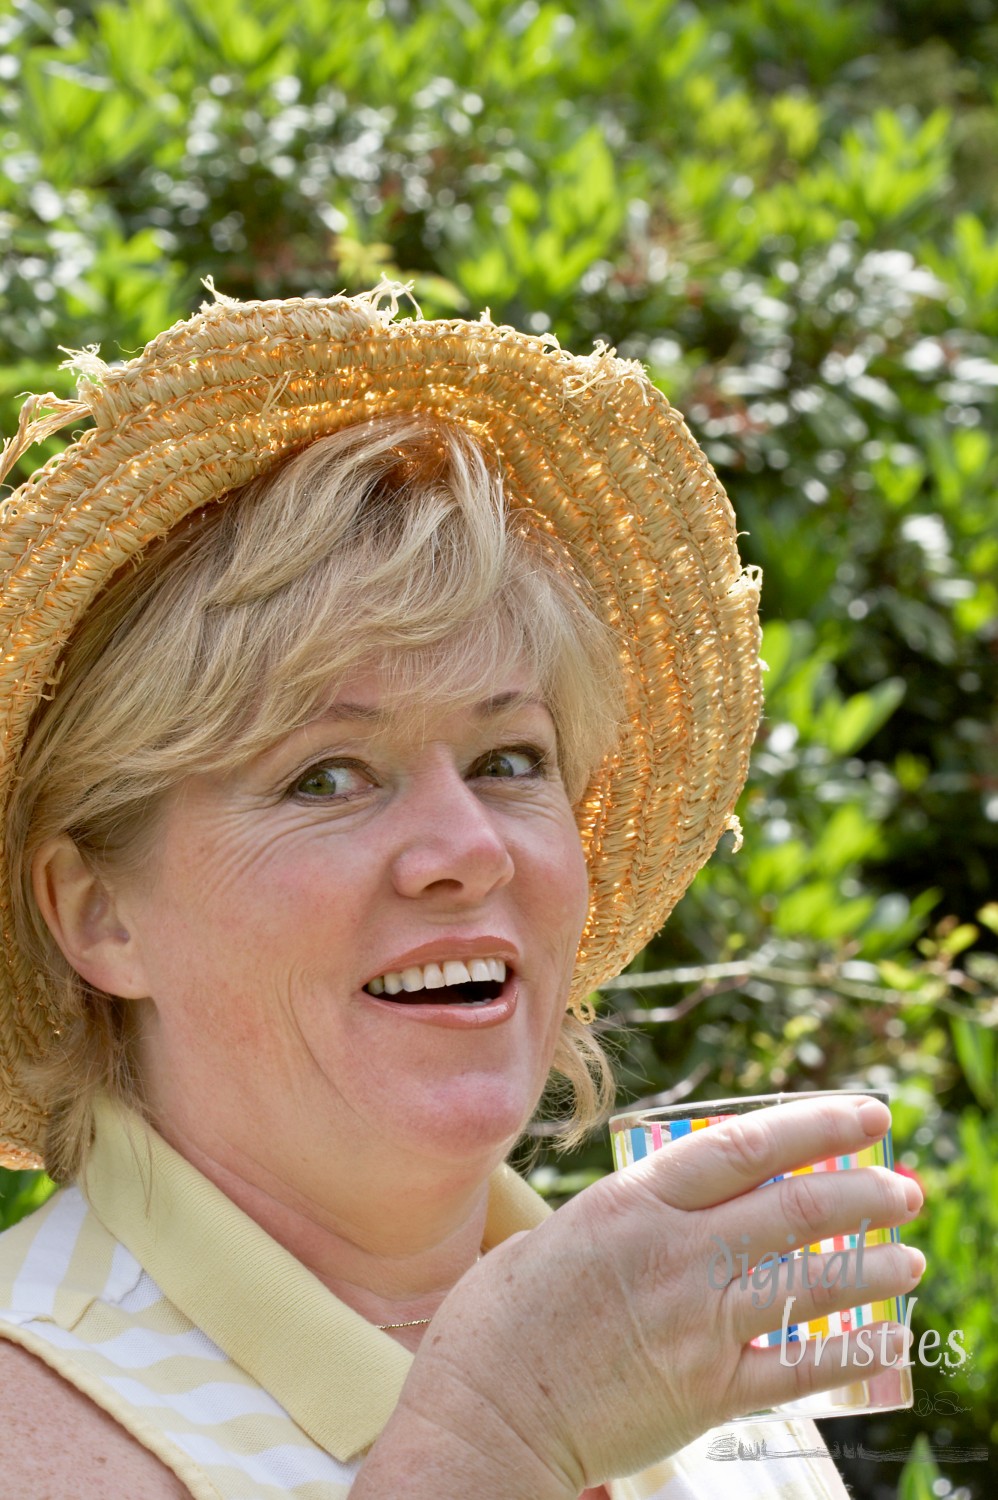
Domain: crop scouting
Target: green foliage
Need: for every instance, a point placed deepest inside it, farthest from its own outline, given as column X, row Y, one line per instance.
column 920, row 1474
column 21, row 1193
column 959, row 1167
column 786, row 209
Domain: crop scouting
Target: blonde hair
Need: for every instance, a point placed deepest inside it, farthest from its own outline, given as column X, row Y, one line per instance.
column 390, row 541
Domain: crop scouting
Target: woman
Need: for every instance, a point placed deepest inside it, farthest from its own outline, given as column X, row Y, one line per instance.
column 372, row 690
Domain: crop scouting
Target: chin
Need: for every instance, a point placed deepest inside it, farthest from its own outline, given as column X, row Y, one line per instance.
column 480, row 1117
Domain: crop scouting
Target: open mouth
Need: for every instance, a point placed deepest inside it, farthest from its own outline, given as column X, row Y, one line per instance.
column 453, row 983
column 471, row 992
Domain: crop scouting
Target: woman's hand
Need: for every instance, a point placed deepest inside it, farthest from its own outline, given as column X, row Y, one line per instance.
column 602, row 1341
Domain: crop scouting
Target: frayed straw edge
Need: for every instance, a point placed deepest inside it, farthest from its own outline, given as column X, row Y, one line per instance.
column 88, row 367
column 583, row 1010
column 603, row 364
column 218, row 298
column 392, row 291
column 32, row 428
column 734, row 827
column 386, row 290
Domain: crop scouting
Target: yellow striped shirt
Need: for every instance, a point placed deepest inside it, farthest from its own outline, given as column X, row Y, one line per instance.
column 153, row 1294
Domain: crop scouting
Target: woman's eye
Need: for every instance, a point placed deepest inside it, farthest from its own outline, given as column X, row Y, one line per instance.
column 519, row 761
column 333, row 779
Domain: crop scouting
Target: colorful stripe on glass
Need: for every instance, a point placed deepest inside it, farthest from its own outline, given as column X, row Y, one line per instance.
column 632, row 1142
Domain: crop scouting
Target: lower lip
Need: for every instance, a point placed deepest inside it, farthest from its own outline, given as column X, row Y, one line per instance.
column 457, row 1017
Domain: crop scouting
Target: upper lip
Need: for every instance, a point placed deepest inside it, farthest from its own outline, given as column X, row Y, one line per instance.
column 485, row 946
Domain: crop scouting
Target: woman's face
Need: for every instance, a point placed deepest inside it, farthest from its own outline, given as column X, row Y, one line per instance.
column 352, row 850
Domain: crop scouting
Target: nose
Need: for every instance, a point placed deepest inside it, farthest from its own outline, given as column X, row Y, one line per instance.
column 449, row 842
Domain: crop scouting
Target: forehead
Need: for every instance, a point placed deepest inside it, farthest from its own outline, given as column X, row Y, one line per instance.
column 373, row 691
column 373, row 699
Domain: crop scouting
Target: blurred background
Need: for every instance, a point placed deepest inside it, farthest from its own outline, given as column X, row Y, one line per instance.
column 787, row 210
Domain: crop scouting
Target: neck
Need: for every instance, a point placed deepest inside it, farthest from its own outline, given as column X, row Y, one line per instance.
column 390, row 1245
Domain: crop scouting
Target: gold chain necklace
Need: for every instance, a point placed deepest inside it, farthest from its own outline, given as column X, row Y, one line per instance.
column 413, row 1322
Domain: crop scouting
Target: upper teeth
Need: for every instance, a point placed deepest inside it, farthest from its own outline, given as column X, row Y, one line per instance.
column 435, row 976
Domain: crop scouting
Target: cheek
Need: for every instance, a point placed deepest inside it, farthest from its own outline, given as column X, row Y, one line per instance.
column 560, row 894
column 235, row 904
column 573, row 871
column 581, row 883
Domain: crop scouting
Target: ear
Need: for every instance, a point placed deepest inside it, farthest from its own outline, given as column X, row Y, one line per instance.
column 80, row 913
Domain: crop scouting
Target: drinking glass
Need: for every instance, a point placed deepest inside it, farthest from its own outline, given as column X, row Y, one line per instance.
column 636, row 1133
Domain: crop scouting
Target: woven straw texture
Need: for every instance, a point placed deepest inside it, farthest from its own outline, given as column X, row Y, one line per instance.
column 586, row 443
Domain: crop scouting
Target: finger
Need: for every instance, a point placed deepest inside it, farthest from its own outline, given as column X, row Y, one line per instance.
column 800, row 1291
column 769, row 1377
column 710, row 1166
column 806, row 1209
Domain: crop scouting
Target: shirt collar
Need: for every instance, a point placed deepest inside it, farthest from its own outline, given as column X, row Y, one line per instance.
column 335, row 1374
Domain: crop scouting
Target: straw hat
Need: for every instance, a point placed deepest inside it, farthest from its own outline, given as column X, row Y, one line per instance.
column 586, row 443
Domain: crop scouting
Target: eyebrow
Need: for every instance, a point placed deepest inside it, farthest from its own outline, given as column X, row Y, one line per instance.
column 498, row 703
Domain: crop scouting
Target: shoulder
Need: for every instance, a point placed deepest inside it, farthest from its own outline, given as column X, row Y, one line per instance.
column 66, row 1445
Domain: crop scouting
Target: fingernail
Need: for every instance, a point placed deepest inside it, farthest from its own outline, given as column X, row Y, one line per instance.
column 912, row 1195
column 872, row 1117
column 916, row 1261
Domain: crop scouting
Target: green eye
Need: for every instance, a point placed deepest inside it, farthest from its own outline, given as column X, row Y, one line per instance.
column 330, row 780
column 515, row 763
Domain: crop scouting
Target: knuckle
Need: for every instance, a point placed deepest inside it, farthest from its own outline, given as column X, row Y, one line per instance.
column 746, row 1147
column 830, row 1121
column 890, row 1199
column 824, row 1129
column 825, row 1294
column 803, row 1375
column 805, row 1207
column 628, row 1225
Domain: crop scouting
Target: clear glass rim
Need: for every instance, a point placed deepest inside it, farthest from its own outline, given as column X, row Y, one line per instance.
column 691, row 1107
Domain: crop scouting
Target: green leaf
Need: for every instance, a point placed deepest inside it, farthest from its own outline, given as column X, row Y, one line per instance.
column 988, row 914
column 818, row 910
column 919, row 1475
column 898, row 483
column 977, row 1052
column 21, row 1193
column 847, row 837
column 958, row 939
column 897, row 977
column 780, row 645
column 858, row 719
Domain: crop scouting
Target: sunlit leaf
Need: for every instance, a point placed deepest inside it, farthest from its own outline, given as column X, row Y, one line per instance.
column 858, row 719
